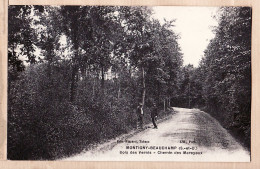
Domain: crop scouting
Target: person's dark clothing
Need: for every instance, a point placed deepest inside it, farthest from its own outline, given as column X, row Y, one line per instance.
column 139, row 110
column 154, row 114
column 140, row 119
column 140, row 116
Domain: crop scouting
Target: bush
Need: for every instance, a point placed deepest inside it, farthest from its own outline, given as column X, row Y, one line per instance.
column 44, row 124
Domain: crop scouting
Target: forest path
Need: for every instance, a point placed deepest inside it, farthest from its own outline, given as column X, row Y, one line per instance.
column 189, row 130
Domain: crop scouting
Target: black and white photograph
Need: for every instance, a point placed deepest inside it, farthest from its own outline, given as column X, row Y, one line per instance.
column 129, row 83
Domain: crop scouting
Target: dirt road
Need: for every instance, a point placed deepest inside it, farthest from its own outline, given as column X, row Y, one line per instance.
column 189, row 135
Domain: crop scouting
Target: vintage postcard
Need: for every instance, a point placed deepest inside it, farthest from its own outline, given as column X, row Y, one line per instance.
column 129, row 83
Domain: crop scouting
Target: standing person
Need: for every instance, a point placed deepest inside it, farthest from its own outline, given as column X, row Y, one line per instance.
column 154, row 115
column 140, row 114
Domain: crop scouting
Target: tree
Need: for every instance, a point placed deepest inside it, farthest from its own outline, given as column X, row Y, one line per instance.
column 138, row 31
column 65, row 94
column 227, row 69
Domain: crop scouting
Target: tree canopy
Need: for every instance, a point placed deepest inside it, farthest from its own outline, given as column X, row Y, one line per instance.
column 95, row 63
column 77, row 73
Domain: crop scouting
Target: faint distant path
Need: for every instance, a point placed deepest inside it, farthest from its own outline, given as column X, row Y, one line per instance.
column 190, row 130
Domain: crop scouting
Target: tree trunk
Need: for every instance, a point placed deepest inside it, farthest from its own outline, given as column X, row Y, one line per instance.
column 158, row 93
column 143, row 92
column 164, row 105
column 119, row 91
column 130, row 72
column 102, row 78
column 73, row 84
column 83, row 72
column 75, row 60
column 119, row 86
column 74, row 77
column 189, row 95
column 93, row 88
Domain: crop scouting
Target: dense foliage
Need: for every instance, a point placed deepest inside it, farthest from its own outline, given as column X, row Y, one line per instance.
column 221, row 85
column 84, row 71
column 77, row 73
